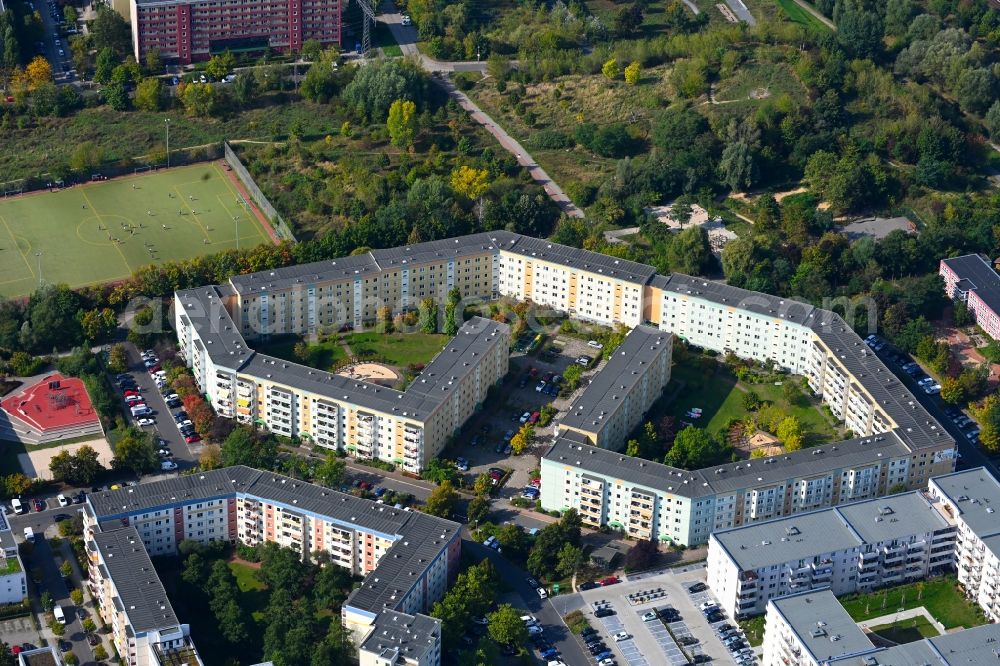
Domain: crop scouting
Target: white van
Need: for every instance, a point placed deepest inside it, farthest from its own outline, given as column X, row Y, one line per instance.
column 141, row 411
column 29, row 534
column 58, row 612
column 541, row 592
column 18, row 506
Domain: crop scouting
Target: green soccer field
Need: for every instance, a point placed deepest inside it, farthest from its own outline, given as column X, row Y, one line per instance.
column 103, row 231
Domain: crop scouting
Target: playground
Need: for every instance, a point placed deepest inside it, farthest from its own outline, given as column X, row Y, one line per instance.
column 102, row 231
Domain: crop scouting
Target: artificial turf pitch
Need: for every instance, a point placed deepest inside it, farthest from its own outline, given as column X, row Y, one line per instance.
column 81, row 235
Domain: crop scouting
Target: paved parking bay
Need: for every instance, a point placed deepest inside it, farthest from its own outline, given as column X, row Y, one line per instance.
column 666, row 642
column 698, row 598
column 629, row 650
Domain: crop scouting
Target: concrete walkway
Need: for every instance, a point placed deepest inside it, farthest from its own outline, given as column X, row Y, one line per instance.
column 406, row 37
column 899, row 616
column 613, row 235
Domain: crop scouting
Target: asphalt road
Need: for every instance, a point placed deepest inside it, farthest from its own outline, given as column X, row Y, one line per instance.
column 60, row 64
column 184, row 455
column 556, row 631
column 44, row 560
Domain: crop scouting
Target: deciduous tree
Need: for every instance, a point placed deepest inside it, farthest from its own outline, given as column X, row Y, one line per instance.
column 506, row 627
column 402, row 123
column 469, row 182
column 441, row 501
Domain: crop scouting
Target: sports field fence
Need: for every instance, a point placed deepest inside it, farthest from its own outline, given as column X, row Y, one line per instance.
column 283, row 230
column 111, row 169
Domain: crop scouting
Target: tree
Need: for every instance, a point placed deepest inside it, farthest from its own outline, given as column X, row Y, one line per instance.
column 737, row 167
column 69, row 15
column 220, row 65
column 506, row 627
column 478, row 509
column 859, row 32
column 127, row 73
column 952, row 391
column 331, row 471
column 439, row 471
column 198, row 98
column 255, row 449
column 992, row 120
column 641, row 556
column 469, row 183
column 245, row 88
column 610, row 69
column 633, row 73
column 311, row 49
column 98, row 324
column 519, row 442
column 7, row 658
column 149, row 95
column 135, row 453
column 100, row 653
column 789, row 428
column 428, row 316
column 86, row 466
column 693, row 448
column 442, row 500
column 116, row 96
column 105, row 67
column 402, row 123
column 154, row 61
column 451, row 313
column 483, row 484
column 320, row 82
column 751, row 401
column 117, row 358
column 210, row 457
column 110, row 30
column 38, row 71
column 89, row 625
column 375, row 87
column 76, row 596
column 976, row 90
column 570, row 559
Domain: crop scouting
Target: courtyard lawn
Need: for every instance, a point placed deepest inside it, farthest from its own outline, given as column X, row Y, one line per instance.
column 399, row 349
column 907, row 631
column 753, row 628
column 253, row 592
column 710, row 386
column 941, row 597
column 326, row 355
column 103, row 231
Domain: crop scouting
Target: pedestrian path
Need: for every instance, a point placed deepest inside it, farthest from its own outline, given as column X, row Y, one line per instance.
column 899, row 616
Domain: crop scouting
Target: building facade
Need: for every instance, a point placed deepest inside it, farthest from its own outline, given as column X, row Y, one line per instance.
column 971, row 499
column 813, row 629
column 185, row 31
column 849, row 548
column 407, row 558
column 13, row 581
column 970, row 279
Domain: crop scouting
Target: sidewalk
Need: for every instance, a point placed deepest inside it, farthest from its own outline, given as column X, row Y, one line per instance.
column 88, row 603
column 892, row 618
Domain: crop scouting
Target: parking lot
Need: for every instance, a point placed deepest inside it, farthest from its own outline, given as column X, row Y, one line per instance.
column 653, row 641
column 488, row 433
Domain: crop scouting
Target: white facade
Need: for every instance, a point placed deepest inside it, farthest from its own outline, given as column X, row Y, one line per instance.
column 13, row 581
column 850, row 548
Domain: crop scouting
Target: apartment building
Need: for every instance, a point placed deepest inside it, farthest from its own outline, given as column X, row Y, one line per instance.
column 185, row 31
column 367, row 420
column 971, row 499
column 407, row 558
column 813, row 629
column 402, row 640
column 132, row 602
column 972, row 280
column 617, row 399
column 13, row 582
column 43, row 656
column 848, row 548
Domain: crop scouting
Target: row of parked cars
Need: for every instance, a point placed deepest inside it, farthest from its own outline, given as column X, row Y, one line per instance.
column 730, row 636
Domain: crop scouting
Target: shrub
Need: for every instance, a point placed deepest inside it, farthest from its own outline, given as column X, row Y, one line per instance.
column 551, row 139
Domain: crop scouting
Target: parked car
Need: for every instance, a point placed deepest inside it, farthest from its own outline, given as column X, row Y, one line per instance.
column 524, row 417
column 595, row 344
column 604, row 612
column 168, row 466
column 621, row 636
column 63, row 500
column 610, row 580
column 650, row 616
column 38, row 504
column 145, row 422
column 698, row 587
column 589, row 585
column 191, row 439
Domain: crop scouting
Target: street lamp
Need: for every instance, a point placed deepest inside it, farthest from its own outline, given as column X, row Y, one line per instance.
column 166, row 122
column 39, row 257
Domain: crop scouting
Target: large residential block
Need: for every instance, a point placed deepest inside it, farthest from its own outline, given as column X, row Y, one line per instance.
column 971, row 499
column 896, row 443
column 617, row 399
column 972, row 280
column 407, row 558
column 813, row 629
column 849, row 548
column 185, row 31
column 13, row 582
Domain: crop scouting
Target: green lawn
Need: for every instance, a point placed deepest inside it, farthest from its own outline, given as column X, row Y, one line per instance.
column 64, row 236
column 797, row 14
column 907, row 631
column 940, row 596
column 253, row 592
column 400, row 349
column 712, row 387
column 753, row 628
column 324, row 355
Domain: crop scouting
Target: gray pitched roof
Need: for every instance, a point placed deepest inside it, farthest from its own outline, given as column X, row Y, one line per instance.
column 724, row 294
column 220, row 338
column 622, row 372
column 433, row 251
column 978, row 276
column 968, row 647
column 139, row 588
column 822, row 625
column 571, row 257
column 572, row 449
column 341, row 268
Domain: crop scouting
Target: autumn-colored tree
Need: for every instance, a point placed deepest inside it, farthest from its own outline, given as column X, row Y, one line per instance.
column 610, row 69
column 38, row 71
column 632, row 73
column 469, row 183
column 117, row 358
column 402, row 123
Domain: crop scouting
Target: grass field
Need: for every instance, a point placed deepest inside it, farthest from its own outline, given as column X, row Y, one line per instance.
column 719, row 395
column 796, row 14
column 253, row 592
column 63, row 236
column 322, row 355
column 941, row 597
column 399, row 349
column 907, row 631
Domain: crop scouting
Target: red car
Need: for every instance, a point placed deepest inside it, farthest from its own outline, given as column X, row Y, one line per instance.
column 39, row 504
column 533, row 372
column 610, row 580
column 547, row 377
column 191, row 439
column 534, row 417
column 154, row 369
column 536, row 482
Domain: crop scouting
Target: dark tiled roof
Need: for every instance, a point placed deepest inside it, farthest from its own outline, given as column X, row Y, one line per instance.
column 206, row 313
column 139, row 588
column 341, row 268
column 977, row 275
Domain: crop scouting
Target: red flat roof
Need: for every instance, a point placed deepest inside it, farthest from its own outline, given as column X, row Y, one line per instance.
column 54, row 402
